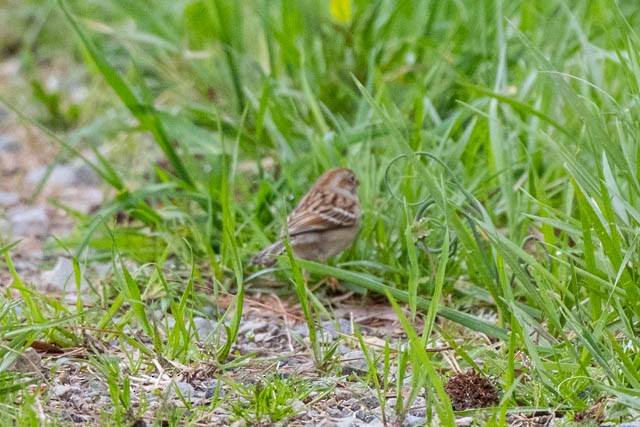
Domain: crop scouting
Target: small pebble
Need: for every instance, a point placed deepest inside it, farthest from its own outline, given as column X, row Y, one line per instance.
column 210, row 392
column 7, row 144
column 80, row 198
column 298, row 406
column 185, row 390
column 371, row 402
column 65, row 392
column 28, row 362
column 8, row 199
column 204, row 327
column 61, row 175
column 412, row 420
column 64, row 175
column 363, row 416
column 62, row 276
column 28, row 221
column 84, row 175
column 354, row 363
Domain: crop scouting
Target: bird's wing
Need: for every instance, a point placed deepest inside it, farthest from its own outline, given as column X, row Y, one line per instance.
column 322, row 210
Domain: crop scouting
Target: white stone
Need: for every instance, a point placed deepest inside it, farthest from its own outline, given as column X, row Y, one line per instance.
column 182, row 390
column 28, row 221
column 80, row 198
column 62, row 277
column 7, row 143
column 204, row 327
column 8, row 199
column 61, row 175
column 28, row 362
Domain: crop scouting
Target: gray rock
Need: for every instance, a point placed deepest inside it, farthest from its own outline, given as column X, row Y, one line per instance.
column 64, row 175
column 211, row 388
column 469, row 421
column 204, row 327
column 210, row 392
column 8, row 199
column 329, row 330
column 298, row 406
column 100, row 270
column 62, row 276
column 27, row 264
column 630, row 424
column 84, row 175
column 212, row 383
column 169, row 321
column 354, row 363
column 211, row 311
column 165, row 321
column 371, row 402
column 9, row 67
column 61, row 175
column 78, row 93
column 365, row 417
column 97, row 389
column 412, row 420
column 343, row 326
column 182, row 390
column 8, row 145
column 65, row 392
column 302, row 329
column 81, row 198
column 28, row 362
column 334, row 412
column 78, row 418
column 254, row 326
column 28, row 222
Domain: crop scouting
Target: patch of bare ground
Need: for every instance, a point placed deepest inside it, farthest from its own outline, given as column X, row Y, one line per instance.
column 469, row 390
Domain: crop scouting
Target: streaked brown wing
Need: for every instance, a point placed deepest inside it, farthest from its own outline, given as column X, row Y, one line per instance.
column 321, row 210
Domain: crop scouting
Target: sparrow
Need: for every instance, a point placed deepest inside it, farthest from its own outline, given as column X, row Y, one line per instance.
column 325, row 222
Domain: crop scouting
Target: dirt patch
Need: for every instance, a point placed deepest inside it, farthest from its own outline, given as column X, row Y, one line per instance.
column 469, row 390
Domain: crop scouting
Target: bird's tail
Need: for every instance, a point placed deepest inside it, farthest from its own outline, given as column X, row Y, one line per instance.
column 266, row 256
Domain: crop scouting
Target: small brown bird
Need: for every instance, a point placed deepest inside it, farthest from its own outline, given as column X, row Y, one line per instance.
column 325, row 222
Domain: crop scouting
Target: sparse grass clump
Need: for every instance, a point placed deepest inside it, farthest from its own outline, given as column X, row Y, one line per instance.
column 273, row 398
